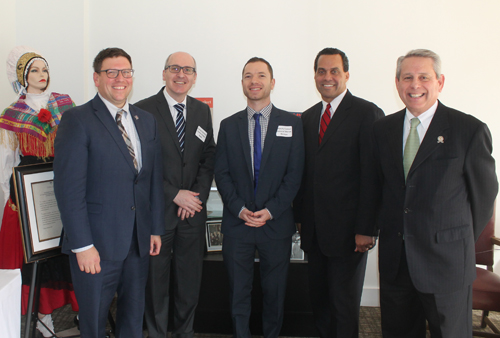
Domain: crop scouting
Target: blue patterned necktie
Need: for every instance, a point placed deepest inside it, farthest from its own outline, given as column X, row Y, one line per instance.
column 180, row 125
column 257, row 150
column 119, row 123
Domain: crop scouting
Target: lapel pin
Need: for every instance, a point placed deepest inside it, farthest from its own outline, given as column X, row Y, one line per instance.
column 137, row 117
column 440, row 139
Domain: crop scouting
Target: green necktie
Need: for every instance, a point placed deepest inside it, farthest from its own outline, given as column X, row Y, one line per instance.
column 411, row 147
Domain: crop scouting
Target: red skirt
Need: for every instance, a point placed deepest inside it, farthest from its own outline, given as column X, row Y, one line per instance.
column 56, row 286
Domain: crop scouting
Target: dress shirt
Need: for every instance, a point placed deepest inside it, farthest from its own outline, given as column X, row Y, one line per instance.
column 171, row 103
column 129, row 126
column 264, row 122
column 334, row 104
column 425, row 121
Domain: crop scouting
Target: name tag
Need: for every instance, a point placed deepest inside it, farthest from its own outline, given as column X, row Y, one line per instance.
column 284, row 131
column 201, row 134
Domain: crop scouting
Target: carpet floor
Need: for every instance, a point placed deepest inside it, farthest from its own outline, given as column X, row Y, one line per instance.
column 369, row 323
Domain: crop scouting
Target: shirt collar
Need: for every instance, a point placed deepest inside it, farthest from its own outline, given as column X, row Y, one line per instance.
column 112, row 108
column 170, row 100
column 335, row 102
column 266, row 111
column 425, row 118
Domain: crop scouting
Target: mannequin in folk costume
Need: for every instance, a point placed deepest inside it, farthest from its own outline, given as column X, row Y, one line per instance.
column 27, row 132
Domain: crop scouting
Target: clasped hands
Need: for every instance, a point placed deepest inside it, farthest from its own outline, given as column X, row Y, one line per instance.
column 255, row 219
column 188, row 203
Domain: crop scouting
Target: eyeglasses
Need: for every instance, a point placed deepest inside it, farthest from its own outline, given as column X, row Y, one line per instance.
column 177, row 69
column 113, row 73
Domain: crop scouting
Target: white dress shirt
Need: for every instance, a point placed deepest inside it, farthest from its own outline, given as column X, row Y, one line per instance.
column 425, row 121
column 334, row 104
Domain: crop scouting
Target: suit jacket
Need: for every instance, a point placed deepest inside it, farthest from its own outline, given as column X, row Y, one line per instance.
column 192, row 171
column 279, row 178
column 99, row 194
column 444, row 205
column 335, row 174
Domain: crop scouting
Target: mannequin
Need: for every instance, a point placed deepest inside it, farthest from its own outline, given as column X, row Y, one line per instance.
column 27, row 131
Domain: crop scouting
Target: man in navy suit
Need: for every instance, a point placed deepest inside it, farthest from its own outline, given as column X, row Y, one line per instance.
column 436, row 186
column 109, row 189
column 338, row 147
column 258, row 167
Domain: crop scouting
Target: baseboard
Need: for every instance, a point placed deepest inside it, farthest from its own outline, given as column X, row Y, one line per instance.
column 370, row 297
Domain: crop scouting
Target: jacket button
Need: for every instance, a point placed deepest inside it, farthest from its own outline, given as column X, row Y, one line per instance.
column 133, row 208
column 407, row 210
column 400, row 234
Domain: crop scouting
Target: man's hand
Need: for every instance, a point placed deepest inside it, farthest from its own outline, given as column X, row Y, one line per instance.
column 255, row 219
column 155, row 245
column 188, row 201
column 183, row 213
column 364, row 243
column 89, row 260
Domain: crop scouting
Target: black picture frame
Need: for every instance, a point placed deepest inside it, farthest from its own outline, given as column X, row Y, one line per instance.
column 213, row 235
column 39, row 216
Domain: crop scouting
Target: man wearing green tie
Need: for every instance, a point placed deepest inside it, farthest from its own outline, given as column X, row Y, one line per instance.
column 433, row 195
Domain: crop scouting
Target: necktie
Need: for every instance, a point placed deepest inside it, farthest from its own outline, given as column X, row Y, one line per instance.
column 411, row 147
column 257, row 150
column 180, row 124
column 118, row 118
column 325, row 120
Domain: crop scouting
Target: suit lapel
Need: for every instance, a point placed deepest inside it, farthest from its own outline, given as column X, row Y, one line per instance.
column 429, row 144
column 105, row 117
column 191, row 125
column 166, row 118
column 245, row 142
column 313, row 138
column 395, row 140
column 272, row 127
column 141, row 131
column 338, row 117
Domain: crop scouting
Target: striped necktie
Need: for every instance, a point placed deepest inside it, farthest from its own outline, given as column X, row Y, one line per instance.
column 325, row 121
column 180, row 124
column 119, row 123
column 411, row 147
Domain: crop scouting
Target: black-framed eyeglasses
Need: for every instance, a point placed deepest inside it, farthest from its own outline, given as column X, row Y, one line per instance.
column 177, row 69
column 113, row 73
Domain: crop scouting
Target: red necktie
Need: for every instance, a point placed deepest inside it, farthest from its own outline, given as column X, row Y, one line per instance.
column 325, row 120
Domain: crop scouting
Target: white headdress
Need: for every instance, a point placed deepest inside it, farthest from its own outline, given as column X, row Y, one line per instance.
column 18, row 64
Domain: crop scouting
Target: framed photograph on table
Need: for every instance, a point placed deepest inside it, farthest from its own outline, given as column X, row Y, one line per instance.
column 39, row 215
column 214, row 235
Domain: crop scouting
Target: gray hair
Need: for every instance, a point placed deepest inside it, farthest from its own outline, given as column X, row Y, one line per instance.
column 423, row 53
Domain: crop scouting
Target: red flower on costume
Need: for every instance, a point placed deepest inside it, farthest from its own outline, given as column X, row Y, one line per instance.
column 44, row 115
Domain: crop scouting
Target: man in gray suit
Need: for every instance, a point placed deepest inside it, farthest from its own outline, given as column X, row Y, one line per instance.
column 188, row 148
column 436, row 185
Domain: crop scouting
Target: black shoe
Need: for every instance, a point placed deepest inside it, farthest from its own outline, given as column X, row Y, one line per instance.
column 77, row 322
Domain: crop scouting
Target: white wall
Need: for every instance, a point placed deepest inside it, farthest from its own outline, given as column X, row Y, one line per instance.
column 223, row 34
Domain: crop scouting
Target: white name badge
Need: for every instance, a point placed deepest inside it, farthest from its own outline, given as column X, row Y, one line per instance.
column 284, row 131
column 201, row 134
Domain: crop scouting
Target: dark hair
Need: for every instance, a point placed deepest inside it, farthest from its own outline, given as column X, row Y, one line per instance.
column 258, row 59
column 333, row 51
column 109, row 53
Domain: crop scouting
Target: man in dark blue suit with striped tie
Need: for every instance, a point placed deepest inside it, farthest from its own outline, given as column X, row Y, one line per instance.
column 258, row 169
column 188, row 147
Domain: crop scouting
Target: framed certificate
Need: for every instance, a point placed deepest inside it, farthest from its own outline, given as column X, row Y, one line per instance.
column 39, row 216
